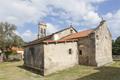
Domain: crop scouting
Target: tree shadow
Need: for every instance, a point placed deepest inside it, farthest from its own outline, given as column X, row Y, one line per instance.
column 104, row 73
column 31, row 70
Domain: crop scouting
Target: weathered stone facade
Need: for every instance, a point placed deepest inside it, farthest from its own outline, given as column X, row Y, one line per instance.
column 103, row 45
column 57, row 56
column 69, row 48
column 86, row 48
column 97, row 47
column 34, row 57
column 60, row 34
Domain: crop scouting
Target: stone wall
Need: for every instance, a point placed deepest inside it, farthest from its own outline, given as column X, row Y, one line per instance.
column 1, row 57
column 103, row 41
column 64, row 33
column 86, row 48
column 57, row 56
column 95, row 49
column 15, row 57
column 34, row 57
column 116, row 57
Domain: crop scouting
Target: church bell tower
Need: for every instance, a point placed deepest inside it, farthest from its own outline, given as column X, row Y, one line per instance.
column 41, row 29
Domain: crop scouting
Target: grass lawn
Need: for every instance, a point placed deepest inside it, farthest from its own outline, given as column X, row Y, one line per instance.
column 13, row 71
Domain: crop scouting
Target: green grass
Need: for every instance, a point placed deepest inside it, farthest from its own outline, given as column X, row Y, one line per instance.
column 13, row 71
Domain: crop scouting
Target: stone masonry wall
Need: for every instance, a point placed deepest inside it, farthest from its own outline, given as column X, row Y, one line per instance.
column 57, row 57
column 34, row 58
column 103, row 41
column 65, row 32
column 87, row 47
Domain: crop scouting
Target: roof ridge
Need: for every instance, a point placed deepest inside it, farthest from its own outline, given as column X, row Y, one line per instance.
column 76, row 34
column 65, row 29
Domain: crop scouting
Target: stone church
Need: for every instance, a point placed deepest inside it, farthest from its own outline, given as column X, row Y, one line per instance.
column 68, row 47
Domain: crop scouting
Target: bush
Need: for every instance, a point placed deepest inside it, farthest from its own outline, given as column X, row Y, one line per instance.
column 7, row 53
column 116, row 46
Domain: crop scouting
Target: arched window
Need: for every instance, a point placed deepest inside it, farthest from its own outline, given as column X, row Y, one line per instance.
column 44, row 31
column 41, row 31
column 71, row 31
column 70, row 51
column 80, row 52
column 97, row 37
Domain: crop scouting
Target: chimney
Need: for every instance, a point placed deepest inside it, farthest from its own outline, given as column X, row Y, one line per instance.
column 41, row 29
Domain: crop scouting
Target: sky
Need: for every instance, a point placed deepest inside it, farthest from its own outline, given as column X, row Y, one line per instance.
column 59, row 14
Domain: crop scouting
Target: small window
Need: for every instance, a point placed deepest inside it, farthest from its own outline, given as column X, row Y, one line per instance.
column 97, row 37
column 71, row 31
column 105, row 37
column 80, row 52
column 42, row 31
column 70, row 51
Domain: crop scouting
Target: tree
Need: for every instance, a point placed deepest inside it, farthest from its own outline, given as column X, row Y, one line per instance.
column 6, row 34
column 18, row 41
column 8, row 38
column 116, row 46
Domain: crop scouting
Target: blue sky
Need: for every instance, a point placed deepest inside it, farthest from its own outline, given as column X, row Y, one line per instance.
column 109, row 6
column 59, row 14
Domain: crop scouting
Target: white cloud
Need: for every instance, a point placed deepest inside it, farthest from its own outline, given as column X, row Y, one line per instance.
column 113, row 20
column 92, row 18
column 20, row 12
column 76, row 9
column 51, row 28
column 96, row 1
column 27, row 35
column 108, row 15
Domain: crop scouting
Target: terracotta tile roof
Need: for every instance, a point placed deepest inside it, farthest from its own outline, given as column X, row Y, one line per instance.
column 66, row 29
column 78, row 35
column 59, row 41
column 43, row 40
column 17, row 49
column 40, row 40
column 71, row 37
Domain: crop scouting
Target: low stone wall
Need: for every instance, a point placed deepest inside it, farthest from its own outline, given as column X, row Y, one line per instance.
column 1, row 59
column 15, row 57
column 116, row 57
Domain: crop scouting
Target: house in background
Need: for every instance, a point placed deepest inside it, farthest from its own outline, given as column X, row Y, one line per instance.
column 19, row 51
column 67, row 48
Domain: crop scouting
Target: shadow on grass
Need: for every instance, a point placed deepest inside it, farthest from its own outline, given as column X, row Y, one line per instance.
column 13, row 61
column 104, row 73
column 31, row 70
